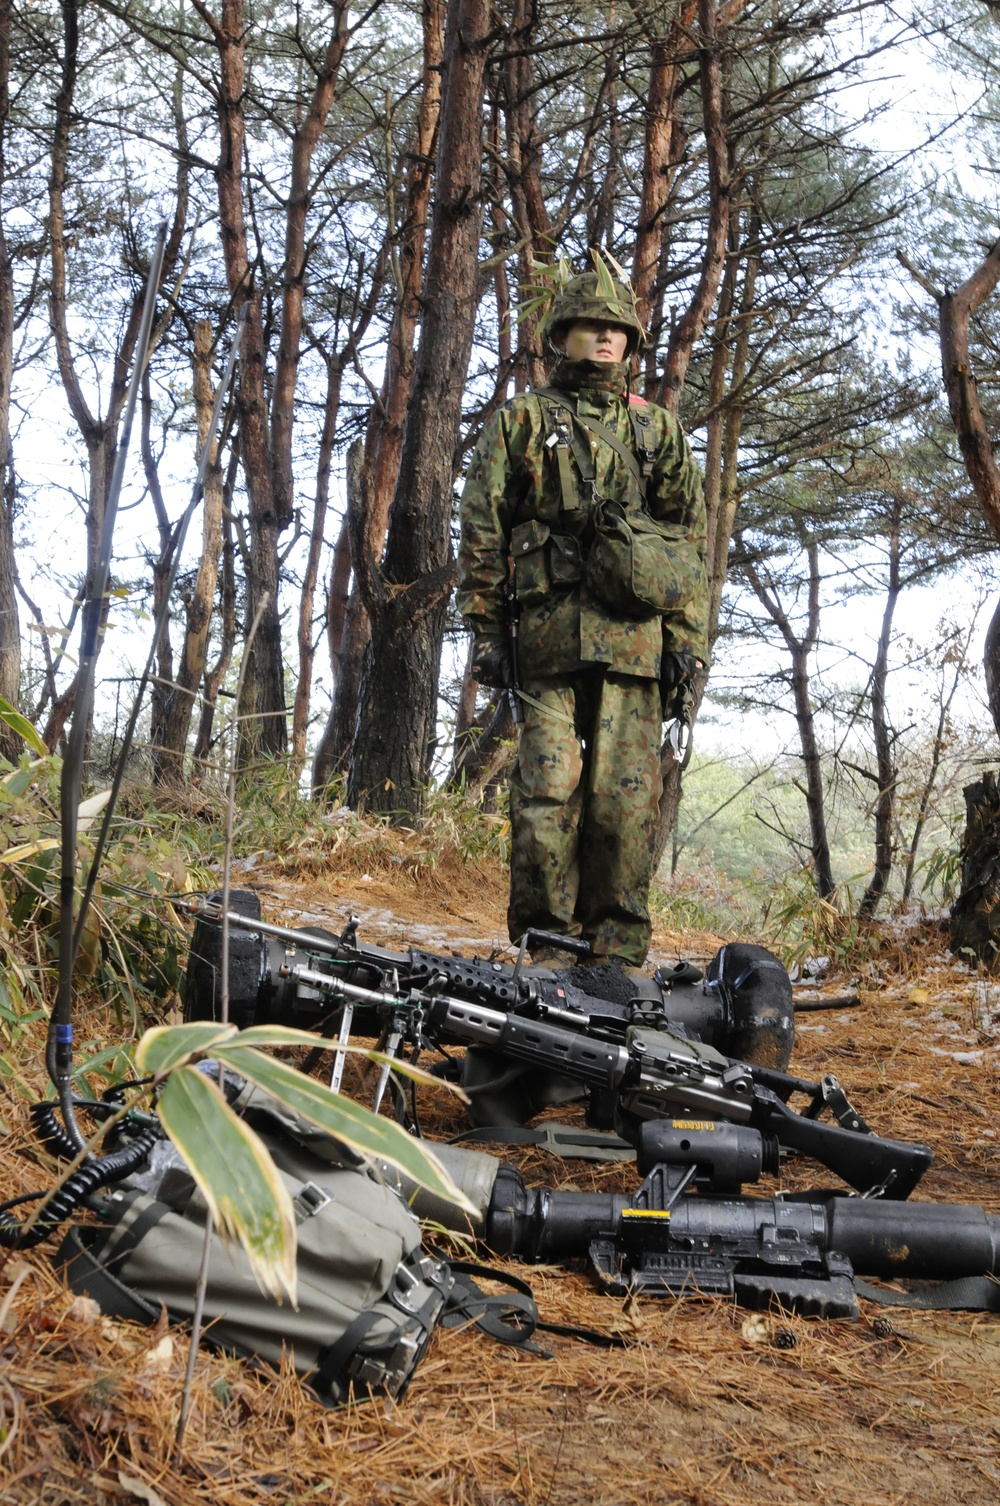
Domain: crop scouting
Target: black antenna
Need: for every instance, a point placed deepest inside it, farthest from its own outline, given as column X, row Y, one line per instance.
column 59, row 1049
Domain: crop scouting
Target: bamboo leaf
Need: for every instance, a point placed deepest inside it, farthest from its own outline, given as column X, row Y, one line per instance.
column 365, row 1132
column 20, row 724
column 241, row 1184
column 19, row 781
column 286, row 1035
column 618, row 269
column 28, row 850
column 166, row 1046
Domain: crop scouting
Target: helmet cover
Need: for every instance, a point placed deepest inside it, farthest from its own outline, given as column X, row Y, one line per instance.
column 600, row 300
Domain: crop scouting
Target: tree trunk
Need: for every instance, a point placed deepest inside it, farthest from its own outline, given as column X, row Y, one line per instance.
column 407, row 600
column 885, row 800
column 972, row 931
column 10, row 632
column 300, row 713
column 691, row 324
column 204, row 741
column 168, row 758
column 384, row 434
column 660, row 157
column 799, row 649
column 975, row 915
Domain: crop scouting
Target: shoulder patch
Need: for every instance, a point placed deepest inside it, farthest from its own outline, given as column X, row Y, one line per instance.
column 635, row 401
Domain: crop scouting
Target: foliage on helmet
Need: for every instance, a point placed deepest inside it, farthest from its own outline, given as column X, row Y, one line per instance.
column 562, row 297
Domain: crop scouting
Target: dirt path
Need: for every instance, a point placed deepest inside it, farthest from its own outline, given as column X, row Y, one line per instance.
column 707, row 1406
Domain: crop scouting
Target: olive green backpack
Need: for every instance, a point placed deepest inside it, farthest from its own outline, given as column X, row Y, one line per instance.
column 369, row 1295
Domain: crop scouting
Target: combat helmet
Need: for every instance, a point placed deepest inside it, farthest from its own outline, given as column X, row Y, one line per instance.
column 599, row 296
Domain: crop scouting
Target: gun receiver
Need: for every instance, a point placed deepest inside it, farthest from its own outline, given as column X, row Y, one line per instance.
column 654, row 1074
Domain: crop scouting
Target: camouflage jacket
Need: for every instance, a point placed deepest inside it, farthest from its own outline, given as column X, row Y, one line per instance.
column 532, row 458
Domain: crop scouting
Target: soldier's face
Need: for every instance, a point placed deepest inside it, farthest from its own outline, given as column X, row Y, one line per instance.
column 589, row 340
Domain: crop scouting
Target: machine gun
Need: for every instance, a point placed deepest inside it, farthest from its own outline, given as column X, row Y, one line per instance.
column 645, row 1064
column 688, row 1230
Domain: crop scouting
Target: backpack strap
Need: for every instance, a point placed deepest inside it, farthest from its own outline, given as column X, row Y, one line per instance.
column 511, row 1319
column 642, row 423
column 89, row 1276
column 390, row 1363
column 562, row 437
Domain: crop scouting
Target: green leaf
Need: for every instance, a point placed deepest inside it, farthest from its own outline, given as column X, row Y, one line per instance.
column 19, row 781
column 286, row 1035
column 605, row 281
column 166, row 1046
column 240, row 1182
column 20, row 724
column 365, row 1132
column 618, row 269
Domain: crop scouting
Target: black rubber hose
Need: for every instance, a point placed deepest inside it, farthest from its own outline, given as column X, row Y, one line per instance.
column 98, row 1172
column 50, row 1132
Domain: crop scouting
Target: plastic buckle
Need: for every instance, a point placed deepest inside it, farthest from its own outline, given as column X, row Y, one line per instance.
column 308, row 1201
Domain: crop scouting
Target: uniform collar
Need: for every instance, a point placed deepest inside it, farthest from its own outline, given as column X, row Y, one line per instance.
column 597, row 381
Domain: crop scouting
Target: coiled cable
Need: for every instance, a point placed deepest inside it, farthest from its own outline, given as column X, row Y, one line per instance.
column 99, row 1171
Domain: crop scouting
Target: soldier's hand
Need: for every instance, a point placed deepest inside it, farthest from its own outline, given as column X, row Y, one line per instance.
column 492, row 663
column 677, row 672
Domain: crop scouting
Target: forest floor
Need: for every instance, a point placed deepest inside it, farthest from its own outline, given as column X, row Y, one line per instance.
column 705, row 1406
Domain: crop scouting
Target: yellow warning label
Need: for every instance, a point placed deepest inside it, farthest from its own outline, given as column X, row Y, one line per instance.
column 645, row 1213
column 693, row 1124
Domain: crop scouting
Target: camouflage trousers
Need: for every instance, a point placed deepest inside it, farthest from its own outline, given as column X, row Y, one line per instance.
column 584, row 792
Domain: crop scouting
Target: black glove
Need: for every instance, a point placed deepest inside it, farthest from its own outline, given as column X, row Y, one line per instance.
column 677, row 672
column 492, row 662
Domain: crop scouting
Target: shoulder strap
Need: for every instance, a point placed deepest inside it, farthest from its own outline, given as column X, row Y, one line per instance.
column 564, row 437
column 609, row 436
column 558, row 1139
column 968, row 1293
column 87, row 1275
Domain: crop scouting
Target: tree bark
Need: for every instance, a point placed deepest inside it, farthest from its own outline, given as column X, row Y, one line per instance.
column 660, row 157
column 398, row 696
column 384, row 434
column 266, row 448
column 691, row 324
column 307, row 650
column 885, row 800
column 10, row 631
column 204, row 741
column 972, row 927
column 168, row 758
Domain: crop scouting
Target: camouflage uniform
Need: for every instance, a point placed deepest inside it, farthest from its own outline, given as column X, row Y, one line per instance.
column 586, row 782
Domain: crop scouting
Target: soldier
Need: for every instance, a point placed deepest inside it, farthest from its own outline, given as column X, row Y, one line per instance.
column 583, row 520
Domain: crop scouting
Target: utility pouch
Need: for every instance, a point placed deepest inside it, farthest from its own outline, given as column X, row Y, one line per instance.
column 531, row 575
column 631, row 567
column 565, row 560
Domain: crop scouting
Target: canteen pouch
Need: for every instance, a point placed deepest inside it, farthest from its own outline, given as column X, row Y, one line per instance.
column 632, row 565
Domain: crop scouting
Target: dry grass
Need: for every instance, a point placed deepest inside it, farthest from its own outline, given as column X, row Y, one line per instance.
column 702, row 1407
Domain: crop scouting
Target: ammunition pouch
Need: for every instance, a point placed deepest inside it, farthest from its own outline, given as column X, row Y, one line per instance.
column 543, row 560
